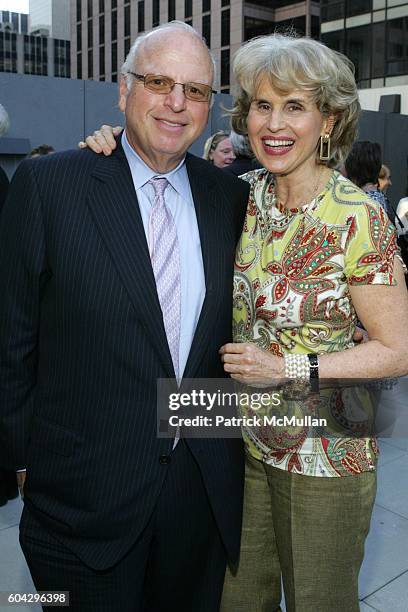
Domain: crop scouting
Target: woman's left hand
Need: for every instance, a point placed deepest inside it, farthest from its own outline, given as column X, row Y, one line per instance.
column 251, row 365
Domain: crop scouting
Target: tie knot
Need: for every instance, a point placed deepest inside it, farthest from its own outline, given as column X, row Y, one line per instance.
column 159, row 185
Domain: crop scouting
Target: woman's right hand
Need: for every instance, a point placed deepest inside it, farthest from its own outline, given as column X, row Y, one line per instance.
column 102, row 140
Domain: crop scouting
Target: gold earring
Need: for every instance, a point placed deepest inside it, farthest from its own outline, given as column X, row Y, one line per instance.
column 325, row 147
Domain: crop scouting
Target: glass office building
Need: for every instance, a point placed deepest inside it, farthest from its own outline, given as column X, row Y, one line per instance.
column 373, row 34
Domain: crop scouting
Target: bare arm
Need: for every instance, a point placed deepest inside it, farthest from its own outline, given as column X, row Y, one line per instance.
column 383, row 310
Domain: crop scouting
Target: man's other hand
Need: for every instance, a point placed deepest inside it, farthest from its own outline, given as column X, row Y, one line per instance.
column 21, row 476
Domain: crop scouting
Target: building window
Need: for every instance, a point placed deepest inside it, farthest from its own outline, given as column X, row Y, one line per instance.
column 206, row 29
column 378, row 50
column 206, row 5
column 358, row 7
column 188, row 8
column 114, row 3
column 335, row 40
column 101, row 6
column 90, row 33
column 101, row 61
column 8, row 52
column 79, row 65
column 140, row 16
column 225, row 67
column 172, row 9
column 14, row 21
column 79, row 37
column 114, row 23
column 156, row 13
column 24, row 24
column 225, row 27
column 332, row 9
column 358, row 49
column 127, row 46
column 189, row 22
column 62, row 67
column 225, row 3
column 90, row 12
column 397, row 46
column 101, row 29
column 78, row 10
column 114, row 58
column 90, row 64
column 256, row 27
column 127, row 20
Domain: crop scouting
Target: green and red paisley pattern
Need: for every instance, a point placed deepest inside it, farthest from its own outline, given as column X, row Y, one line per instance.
column 293, row 270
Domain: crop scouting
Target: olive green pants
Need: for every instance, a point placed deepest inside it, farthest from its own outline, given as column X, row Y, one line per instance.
column 309, row 530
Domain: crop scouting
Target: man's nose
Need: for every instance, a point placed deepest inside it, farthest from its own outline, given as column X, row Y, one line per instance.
column 176, row 98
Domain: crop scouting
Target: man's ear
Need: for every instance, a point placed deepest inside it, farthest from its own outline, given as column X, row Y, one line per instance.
column 123, row 92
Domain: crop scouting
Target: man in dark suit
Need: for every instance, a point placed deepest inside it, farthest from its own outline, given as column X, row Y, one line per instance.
column 122, row 274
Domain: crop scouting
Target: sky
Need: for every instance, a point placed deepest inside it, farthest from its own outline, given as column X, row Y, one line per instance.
column 17, row 6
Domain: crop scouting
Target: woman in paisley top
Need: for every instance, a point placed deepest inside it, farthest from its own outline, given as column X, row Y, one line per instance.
column 315, row 254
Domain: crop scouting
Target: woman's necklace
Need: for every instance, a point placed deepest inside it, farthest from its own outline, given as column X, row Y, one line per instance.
column 275, row 200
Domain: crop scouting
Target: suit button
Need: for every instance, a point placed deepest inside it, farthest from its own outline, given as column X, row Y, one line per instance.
column 164, row 459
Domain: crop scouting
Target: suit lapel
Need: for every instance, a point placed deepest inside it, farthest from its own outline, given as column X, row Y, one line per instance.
column 203, row 188
column 115, row 210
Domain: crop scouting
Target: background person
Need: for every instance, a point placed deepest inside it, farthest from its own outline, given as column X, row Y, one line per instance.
column 384, row 178
column 218, row 150
column 362, row 167
column 244, row 157
column 315, row 253
column 43, row 149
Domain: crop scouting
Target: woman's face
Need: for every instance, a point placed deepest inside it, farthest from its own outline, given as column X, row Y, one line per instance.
column 223, row 154
column 284, row 130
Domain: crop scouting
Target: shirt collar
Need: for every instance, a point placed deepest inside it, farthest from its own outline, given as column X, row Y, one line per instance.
column 142, row 173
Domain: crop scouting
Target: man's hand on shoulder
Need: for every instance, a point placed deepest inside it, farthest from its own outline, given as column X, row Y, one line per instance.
column 102, row 140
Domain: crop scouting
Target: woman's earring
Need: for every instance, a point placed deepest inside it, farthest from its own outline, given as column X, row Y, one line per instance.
column 325, row 147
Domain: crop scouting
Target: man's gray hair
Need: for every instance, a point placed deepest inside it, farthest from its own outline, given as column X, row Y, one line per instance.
column 4, row 121
column 131, row 59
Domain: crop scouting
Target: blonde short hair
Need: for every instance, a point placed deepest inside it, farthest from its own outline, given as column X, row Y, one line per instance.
column 291, row 62
column 212, row 143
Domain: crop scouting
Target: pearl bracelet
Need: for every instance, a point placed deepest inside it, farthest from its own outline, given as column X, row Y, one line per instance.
column 297, row 366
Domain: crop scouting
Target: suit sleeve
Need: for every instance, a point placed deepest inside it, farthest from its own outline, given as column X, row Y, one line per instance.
column 4, row 184
column 23, row 274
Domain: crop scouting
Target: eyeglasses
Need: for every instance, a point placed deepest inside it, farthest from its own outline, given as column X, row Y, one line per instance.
column 198, row 92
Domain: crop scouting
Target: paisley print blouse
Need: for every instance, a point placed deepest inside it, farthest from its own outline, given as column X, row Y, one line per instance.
column 293, row 270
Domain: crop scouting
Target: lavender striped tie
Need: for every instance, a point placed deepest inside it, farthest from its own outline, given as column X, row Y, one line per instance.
column 165, row 257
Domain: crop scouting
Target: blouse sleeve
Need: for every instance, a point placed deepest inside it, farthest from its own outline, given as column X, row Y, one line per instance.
column 370, row 247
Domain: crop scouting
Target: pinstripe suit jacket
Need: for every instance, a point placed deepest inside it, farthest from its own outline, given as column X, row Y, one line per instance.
column 83, row 343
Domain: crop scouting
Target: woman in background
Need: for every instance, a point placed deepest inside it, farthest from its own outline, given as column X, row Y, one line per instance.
column 218, row 150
